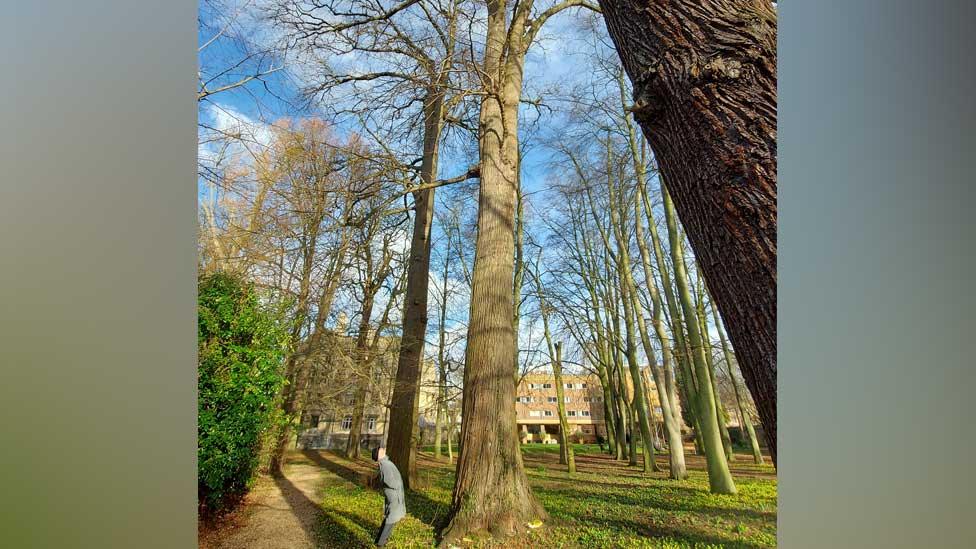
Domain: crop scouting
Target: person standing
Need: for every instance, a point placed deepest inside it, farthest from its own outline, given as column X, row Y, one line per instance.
column 392, row 485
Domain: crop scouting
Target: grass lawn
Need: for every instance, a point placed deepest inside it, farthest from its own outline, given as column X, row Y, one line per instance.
column 606, row 504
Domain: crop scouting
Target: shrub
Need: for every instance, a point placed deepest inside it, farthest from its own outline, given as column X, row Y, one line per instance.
column 241, row 346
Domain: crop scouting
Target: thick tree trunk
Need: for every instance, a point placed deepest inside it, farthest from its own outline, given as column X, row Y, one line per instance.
column 406, row 388
column 704, row 79
column 491, row 491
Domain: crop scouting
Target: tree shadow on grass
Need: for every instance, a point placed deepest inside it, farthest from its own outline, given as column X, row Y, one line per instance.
column 319, row 527
column 419, row 505
column 355, row 472
column 684, row 533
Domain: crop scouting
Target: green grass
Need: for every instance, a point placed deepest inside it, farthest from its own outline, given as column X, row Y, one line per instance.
column 606, row 504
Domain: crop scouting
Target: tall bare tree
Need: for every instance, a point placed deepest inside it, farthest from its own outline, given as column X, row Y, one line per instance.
column 491, row 491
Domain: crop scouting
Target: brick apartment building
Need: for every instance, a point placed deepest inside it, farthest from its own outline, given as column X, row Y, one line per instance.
column 537, row 413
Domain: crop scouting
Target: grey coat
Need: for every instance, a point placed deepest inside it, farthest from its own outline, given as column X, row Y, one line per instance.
column 392, row 485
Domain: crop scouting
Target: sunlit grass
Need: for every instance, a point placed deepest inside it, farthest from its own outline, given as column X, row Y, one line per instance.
column 606, row 504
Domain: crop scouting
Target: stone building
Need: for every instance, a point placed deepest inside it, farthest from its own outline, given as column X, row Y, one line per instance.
column 328, row 386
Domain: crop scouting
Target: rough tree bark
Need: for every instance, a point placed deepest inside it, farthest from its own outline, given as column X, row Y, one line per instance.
column 491, row 491
column 704, row 80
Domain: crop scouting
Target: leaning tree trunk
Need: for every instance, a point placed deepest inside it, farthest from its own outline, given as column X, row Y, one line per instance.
column 719, row 407
column 746, row 422
column 719, row 477
column 406, row 387
column 704, row 79
column 670, row 412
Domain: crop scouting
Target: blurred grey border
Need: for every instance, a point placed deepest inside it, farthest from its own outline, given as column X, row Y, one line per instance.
column 876, row 263
column 97, row 285
column 98, row 275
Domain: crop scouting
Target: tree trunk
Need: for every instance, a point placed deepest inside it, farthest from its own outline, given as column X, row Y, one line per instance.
column 719, row 477
column 491, row 491
column 292, row 363
column 746, row 423
column 608, row 419
column 566, row 445
column 670, row 412
column 406, row 387
column 364, row 360
column 704, row 79
column 720, row 415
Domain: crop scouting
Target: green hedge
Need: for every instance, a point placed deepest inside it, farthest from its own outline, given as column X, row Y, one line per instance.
column 242, row 345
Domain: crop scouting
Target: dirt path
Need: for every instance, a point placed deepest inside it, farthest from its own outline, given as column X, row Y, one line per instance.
column 279, row 513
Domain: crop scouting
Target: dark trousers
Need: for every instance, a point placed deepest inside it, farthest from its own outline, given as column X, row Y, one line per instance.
column 384, row 533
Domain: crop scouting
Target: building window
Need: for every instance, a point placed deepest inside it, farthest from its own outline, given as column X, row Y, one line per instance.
column 571, row 413
column 535, row 413
column 548, row 413
column 547, row 385
column 587, row 429
column 585, row 413
column 587, row 399
column 582, row 386
column 314, row 421
column 551, row 400
column 370, row 423
column 347, row 423
column 567, row 400
column 569, row 385
column 523, row 399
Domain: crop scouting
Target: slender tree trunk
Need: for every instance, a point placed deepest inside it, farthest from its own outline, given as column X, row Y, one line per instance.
column 704, row 79
column 720, row 414
column 292, row 363
column 746, row 422
column 365, row 366
column 519, row 271
column 620, row 394
column 608, row 416
column 401, row 447
column 719, row 477
column 566, row 445
column 670, row 412
column 639, row 402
